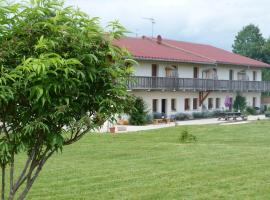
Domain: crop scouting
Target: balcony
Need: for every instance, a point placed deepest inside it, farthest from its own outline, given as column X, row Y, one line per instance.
column 190, row 84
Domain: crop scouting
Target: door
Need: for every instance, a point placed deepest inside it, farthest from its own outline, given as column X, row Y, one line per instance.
column 195, row 72
column 163, row 106
column 154, row 75
column 231, row 75
column 154, row 70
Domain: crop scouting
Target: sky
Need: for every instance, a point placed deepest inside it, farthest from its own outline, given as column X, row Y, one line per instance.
column 214, row 22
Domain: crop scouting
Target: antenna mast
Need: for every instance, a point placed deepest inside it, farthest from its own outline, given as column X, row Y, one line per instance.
column 152, row 20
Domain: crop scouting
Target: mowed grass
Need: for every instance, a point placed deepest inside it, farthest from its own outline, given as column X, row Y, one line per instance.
column 227, row 162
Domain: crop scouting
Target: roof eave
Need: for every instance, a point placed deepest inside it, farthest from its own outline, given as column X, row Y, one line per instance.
column 246, row 65
column 171, row 60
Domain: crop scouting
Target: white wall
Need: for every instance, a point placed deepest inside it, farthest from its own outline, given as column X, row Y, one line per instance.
column 180, row 97
column 185, row 70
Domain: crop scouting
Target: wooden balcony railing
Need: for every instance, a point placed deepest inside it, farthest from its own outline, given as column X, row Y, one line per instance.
column 171, row 83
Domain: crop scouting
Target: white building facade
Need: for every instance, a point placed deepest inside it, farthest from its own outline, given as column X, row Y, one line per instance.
column 177, row 77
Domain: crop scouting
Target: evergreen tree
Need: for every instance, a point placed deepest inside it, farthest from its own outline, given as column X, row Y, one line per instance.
column 239, row 103
column 138, row 115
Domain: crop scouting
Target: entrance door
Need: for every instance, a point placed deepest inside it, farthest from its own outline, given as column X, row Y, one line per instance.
column 163, row 106
column 154, row 75
column 154, row 70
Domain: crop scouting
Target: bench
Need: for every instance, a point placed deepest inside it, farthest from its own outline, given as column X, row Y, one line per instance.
column 231, row 115
column 164, row 120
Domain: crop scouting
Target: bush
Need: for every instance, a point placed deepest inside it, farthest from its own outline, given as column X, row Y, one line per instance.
column 138, row 114
column 267, row 113
column 186, row 137
column 182, row 116
column 149, row 119
column 251, row 110
column 205, row 114
column 239, row 103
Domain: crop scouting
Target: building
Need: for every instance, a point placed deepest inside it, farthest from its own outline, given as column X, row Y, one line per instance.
column 175, row 76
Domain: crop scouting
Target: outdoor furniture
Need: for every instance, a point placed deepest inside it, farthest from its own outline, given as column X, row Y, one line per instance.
column 231, row 115
column 164, row 120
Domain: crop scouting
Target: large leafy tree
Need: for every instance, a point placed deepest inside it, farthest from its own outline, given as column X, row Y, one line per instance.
column 249, row 42
column 60, row 77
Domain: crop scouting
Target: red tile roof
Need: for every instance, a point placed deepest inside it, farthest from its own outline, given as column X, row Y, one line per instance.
column 172, row 50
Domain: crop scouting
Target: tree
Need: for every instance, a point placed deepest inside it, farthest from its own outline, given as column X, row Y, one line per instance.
column 266, row 58
column 138, row 115
column 239, row 103
column 60, row 77
column 249, row 42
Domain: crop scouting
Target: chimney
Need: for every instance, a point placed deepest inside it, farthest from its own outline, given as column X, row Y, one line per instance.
column 159, row 39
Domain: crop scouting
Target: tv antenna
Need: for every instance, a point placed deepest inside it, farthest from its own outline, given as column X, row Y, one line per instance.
column 152, row 20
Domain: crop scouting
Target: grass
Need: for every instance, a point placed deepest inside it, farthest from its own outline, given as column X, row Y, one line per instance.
column 227, row 162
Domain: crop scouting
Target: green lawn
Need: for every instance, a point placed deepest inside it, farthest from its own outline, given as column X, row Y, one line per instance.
column 227, row 162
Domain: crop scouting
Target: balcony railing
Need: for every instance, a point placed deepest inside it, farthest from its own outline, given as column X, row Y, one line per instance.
column 169, row 83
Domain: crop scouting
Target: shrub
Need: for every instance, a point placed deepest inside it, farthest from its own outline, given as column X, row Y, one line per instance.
column 149, row 119
column 251, row 110
column 186, row 137
column 267, row 113
column 205, row 114
column 239, row 103
column 182, row 116
column 138, row 114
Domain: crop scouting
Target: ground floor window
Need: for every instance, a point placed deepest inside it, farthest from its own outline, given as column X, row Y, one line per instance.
column 254, row 101
column 217, row 103
column 187, row 104
column 210, row 103
column 154, row 105
column 195, row 103
column 173, row 104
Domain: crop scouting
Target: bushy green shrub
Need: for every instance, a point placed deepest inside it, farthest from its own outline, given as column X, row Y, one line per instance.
column 205, row 114
column 239, row 103
column 138, row 114
column 267, row 114
column 186, row 137
column 250, row 110
column 149, row 119
column 182, row 116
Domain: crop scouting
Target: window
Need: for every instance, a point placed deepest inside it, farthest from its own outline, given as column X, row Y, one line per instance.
column 195, row 104
column 254, row 76
column 231, row 75
column 195, row 72
column 154, row 105
column 187, row 105
column 173, row 104
column 217, row 103
column 210, row 103
column 254, row 101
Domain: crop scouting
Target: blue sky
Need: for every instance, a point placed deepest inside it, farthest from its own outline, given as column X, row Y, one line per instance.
column 214, row 22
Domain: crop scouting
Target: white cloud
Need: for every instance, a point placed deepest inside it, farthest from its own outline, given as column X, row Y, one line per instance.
column 214, row 22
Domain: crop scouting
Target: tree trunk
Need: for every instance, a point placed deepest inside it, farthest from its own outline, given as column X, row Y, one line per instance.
column 3, row 182
column 11, row 193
